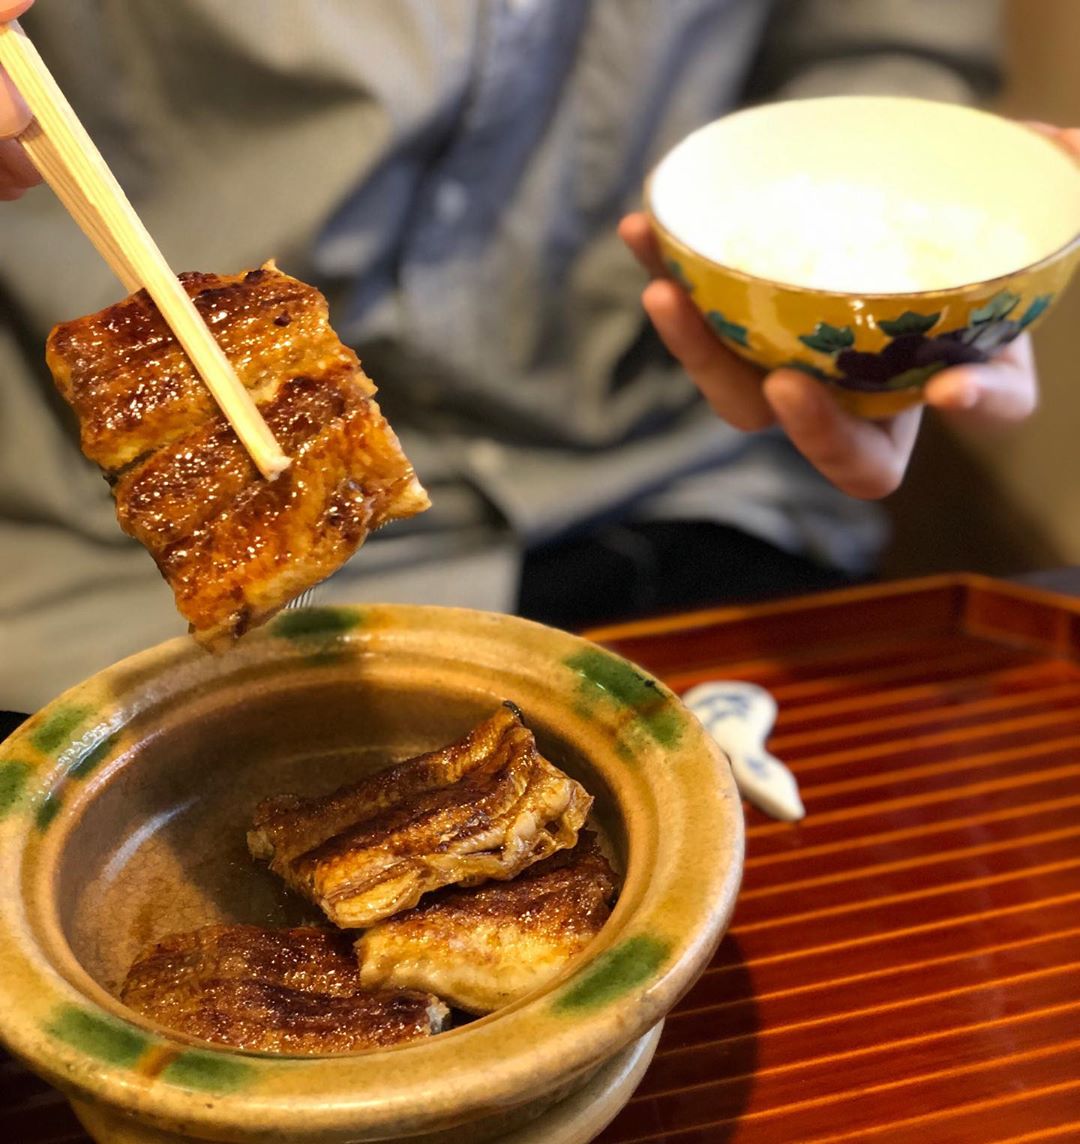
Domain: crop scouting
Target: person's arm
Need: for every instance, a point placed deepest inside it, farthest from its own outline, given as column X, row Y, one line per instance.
column 17, row 173
column 817, row 47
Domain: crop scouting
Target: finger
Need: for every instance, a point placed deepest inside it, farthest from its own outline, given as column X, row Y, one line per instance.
column 13, row 9
column 1067, row 137
column 14, row 116
column 638, row 235
column 730, row 385
column 1001, row 392
column 865, row 459
column 17, row 173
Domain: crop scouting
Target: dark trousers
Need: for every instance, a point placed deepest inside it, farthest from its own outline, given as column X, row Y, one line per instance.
column 624, row 571
column 629, row 570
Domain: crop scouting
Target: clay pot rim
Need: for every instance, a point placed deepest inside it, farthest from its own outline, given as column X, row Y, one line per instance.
column 682, row 816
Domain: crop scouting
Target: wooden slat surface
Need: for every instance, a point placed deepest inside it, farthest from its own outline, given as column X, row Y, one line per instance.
column 903, row 965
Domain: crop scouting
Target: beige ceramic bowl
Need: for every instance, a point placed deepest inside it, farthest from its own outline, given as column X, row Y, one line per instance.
column 123, row 808
column 732, row 201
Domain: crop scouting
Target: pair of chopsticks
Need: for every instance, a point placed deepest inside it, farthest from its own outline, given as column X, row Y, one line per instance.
column 59, row 147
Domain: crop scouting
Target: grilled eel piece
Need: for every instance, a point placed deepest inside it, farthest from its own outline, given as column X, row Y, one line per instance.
column 285, row 991
column 485, row 947
column 233, row 547
column 485, row 807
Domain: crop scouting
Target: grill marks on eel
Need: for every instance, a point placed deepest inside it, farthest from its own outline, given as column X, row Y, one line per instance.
column 469, row 870
column 134, row 389
column 484, row 808
column 285, row 991
column 233, row 547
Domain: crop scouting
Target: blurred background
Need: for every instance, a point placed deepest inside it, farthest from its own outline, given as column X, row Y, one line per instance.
column 1003, row 504
column 1010, row 502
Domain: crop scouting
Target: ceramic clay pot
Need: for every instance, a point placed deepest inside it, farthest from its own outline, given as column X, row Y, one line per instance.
column 123, row 810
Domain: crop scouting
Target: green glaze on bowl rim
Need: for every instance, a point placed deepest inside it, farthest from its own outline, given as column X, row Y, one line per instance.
column 674, row 790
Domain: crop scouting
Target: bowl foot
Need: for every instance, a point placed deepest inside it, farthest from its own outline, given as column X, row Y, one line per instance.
column 576, row 1119
column 584, row 1114
column 109, row 1127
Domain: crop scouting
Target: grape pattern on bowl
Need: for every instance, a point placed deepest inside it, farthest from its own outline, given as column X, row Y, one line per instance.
column 914, row 353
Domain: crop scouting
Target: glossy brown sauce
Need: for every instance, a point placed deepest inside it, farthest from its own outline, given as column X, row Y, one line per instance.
column 288, row 991
column 234, row 547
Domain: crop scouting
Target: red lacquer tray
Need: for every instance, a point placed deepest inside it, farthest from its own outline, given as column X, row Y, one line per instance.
column 904, row 965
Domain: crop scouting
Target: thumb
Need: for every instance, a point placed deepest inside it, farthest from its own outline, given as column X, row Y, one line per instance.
column 14, row 116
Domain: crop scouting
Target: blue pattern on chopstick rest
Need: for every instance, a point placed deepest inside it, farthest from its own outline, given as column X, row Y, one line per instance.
column 739, row 716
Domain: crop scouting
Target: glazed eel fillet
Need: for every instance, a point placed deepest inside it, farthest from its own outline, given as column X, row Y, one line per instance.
column 285, row 991
column 484, row 947
column 234, row 547
column 483, row 808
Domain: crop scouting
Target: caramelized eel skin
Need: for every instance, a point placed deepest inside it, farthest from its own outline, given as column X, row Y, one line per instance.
column 485, row 807
column 286, row 991
column 234, row 547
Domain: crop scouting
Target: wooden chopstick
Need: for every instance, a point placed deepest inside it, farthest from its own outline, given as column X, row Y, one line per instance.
column 60, row 148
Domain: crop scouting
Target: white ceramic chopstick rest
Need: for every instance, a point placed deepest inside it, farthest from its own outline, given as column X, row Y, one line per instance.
column 739, row 716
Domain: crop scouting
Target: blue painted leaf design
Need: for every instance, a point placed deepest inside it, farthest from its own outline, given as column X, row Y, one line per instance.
column 731, row 330
column 1037, row 307
column 909, row 323
column 997, row 308
column 828, row 339
column 676, row 271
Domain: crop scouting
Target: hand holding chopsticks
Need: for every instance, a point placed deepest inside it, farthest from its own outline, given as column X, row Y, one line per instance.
column 63, row 152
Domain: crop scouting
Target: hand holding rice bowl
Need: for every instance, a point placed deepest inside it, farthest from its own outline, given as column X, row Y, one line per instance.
column 868, row 241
